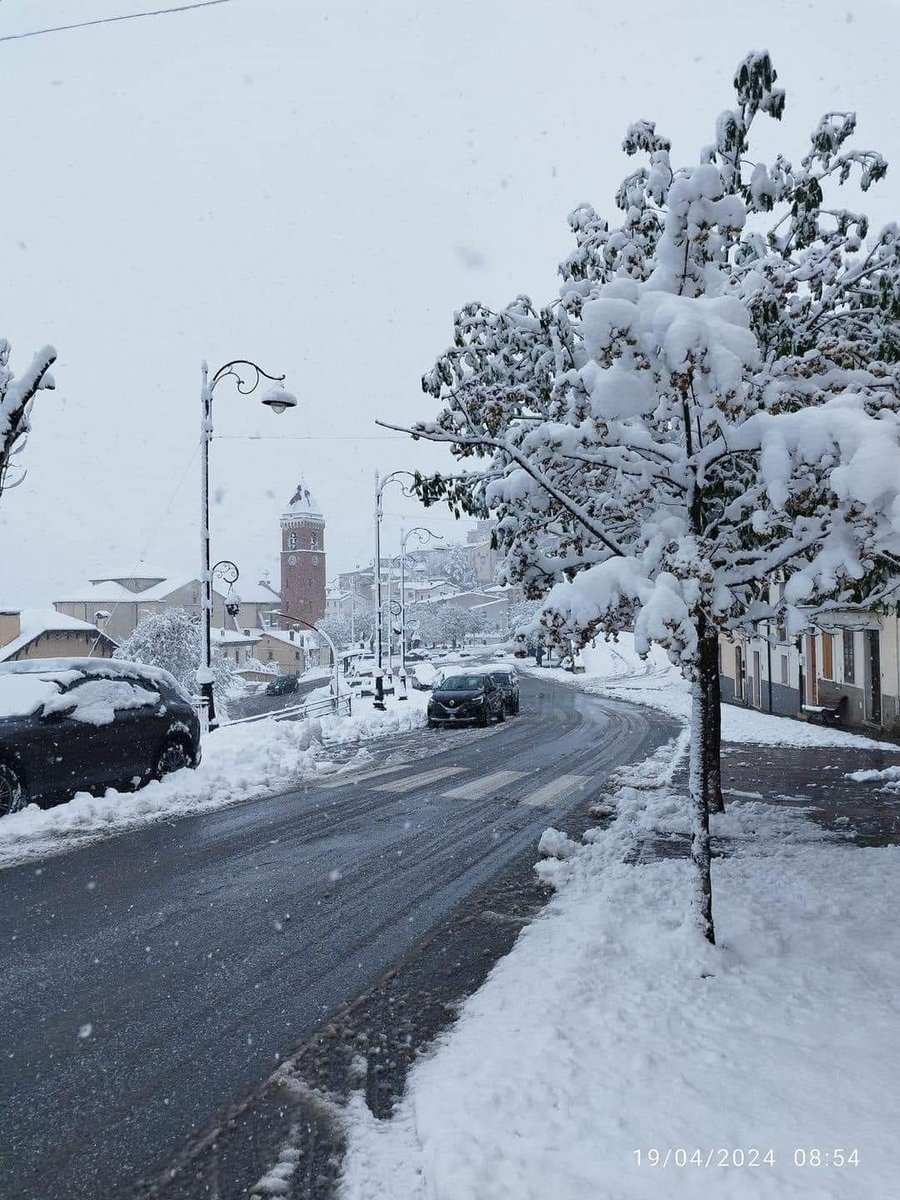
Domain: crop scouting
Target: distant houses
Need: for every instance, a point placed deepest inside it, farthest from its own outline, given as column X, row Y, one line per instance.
column 45, row 633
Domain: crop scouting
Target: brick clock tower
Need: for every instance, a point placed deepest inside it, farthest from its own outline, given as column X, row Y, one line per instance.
column 303, row 558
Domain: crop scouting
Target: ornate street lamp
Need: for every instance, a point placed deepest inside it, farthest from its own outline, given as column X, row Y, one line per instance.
column 248, row 376
column 422, row 535
column 380, row 485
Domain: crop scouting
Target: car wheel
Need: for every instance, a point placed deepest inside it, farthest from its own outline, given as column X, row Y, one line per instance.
column 13, row 797
column 432, row 724
column 501, row 713
column 174, row 756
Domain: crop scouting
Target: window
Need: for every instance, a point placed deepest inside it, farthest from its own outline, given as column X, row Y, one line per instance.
column 270, row 656
column 297, row 655
column 292, row 540
column 849, row 657
column 828, row 656
column 784, row 668
column 313, row 541
column 99, row 701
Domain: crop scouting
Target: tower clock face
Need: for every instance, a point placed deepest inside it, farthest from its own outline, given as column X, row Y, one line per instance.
column 292, row 559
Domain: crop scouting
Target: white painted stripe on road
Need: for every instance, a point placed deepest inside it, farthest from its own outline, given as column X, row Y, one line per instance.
column 342, row 778
column 555, row 791
column 478, row 789
column 421, row 780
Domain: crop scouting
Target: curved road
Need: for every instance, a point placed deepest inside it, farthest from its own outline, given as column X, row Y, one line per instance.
column 148, row 981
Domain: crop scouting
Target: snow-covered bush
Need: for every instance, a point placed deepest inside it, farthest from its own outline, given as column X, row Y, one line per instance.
column 709, row 405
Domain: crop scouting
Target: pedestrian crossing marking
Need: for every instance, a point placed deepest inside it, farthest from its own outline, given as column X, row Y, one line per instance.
column 478, row 789
column 547, row 796
column 557, row 790
column 416, row 781
column 343, row 778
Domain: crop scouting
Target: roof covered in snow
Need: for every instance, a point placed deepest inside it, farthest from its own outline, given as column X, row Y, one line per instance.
column 36, row 622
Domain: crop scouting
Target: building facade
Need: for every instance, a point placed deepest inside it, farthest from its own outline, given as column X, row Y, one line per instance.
column 302, row 559
column 849, row 656
column 118, row 604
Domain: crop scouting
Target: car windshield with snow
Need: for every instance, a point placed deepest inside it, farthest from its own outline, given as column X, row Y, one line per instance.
column 72, row 725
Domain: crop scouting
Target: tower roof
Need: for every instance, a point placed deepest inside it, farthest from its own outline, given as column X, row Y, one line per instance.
column 302, row 504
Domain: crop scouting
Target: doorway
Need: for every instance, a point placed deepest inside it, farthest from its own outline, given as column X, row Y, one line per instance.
column 873, row 664
column 812, row 671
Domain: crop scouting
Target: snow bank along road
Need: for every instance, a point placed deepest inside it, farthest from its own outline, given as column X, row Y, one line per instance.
column 149, row 981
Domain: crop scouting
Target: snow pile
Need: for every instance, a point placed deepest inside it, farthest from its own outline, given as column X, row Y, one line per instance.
column 615, row 669
column 889, row 777
column 612, row 1028
column 240, row 762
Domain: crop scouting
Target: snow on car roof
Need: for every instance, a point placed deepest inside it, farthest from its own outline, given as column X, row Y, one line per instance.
column 64, row 671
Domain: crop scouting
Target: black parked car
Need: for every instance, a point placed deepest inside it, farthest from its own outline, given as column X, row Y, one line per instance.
column 83, row 724
column 505, row 679
column 282, row 685
column 460, row 698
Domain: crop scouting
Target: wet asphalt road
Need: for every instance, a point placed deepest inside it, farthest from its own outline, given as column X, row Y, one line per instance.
column 148, row 981
column 259, row 702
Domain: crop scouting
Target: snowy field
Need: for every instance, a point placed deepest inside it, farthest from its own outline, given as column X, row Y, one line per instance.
column 612, row 1038
column 614, row 669
column 240, row 762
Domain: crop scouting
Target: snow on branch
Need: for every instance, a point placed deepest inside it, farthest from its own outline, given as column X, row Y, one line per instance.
column 16, row 395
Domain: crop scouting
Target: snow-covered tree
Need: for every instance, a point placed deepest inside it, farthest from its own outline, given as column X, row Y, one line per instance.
column 338, row 628
column 443, row 623
column 172, row 640
column 710, row 404
column 453, row 563
column 16, row 396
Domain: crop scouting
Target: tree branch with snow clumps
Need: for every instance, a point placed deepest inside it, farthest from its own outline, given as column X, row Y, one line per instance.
column 16, row 396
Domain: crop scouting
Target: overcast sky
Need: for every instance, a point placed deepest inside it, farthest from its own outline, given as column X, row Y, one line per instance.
column 317, row 186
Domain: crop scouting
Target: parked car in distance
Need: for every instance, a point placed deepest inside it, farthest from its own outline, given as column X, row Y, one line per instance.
column 424, row 676
column 505, row 678
column 282, row 685
column 81, row 724
column 459, row 699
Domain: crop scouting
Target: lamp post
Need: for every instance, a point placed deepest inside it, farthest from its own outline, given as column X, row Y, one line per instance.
column 331, row 646
column 380, row 485
column 423, row 535
column 227, row 571
column 248, row 376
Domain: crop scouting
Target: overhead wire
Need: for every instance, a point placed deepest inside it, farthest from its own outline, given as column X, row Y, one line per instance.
column 153, row 12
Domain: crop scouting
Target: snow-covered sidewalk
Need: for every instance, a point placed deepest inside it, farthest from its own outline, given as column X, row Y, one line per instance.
column 240, row 762
column 614, row 1054
column 615, row 669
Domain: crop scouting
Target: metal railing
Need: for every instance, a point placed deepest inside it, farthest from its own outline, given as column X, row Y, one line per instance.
column 326, row 707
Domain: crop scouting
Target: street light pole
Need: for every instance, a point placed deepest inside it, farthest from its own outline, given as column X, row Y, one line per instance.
column 423, row 533
column 205, row 675
column 380, row 485
column 278, row 400
column 331, row 646
column 379, row 617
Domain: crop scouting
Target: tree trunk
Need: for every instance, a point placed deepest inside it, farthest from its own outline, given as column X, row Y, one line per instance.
column 701, row 891
column 712, row 702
